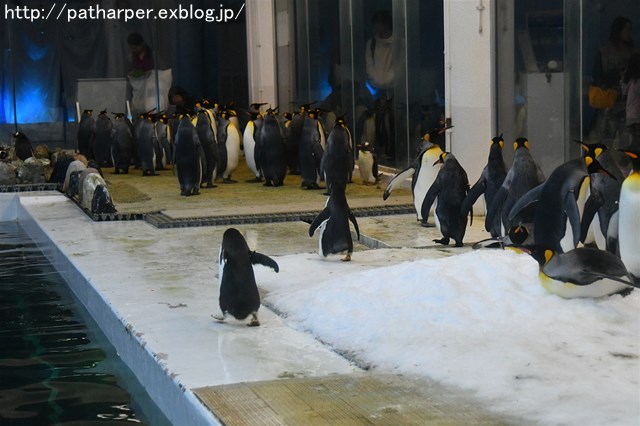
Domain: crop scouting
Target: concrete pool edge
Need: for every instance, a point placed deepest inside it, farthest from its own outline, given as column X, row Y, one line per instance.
column 179, row 404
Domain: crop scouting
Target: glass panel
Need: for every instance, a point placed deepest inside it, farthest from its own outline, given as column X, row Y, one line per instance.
column 54, row 58
column 531, row 77
column 599, row 21
column 424, row 73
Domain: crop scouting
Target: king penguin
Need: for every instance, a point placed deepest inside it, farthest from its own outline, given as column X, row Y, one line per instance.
column 489, row 183
column 450, row 189
column 524, row 175
column 556, row 223
column 85, row 133
column 368, row 163
column 629, row 218
column 582, row 272
column 237, row 290
column 251, row 142
column 422, row 171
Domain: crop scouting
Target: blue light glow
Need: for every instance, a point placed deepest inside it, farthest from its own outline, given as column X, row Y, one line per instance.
column 372, row 89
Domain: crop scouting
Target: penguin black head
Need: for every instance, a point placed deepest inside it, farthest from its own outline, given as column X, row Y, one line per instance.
column 441, row 158
column 288, row 115
column 19, row 136
column 595, row 149
column 521, row 142
column 594, row 166
column 366, row 146
column 257, row 106
column 498, row 140
column 340, row 121
column 635, row 158
column 435, row 135
column 518, row 234
column 118, row 115
column 103, row 112
column 89, row 112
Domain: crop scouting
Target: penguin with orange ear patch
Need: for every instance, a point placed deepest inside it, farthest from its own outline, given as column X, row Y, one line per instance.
column 582, row 272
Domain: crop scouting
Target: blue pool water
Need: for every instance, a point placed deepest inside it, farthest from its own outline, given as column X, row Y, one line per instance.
column 56, row 368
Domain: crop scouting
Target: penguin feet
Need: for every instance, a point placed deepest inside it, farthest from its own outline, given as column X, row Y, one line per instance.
column 347, row 258
column 229, row 180
column 311, row 186
column 459, row 244
column 254, row 320
column 426, row 224
column 210, row 185
column 219, row 316
column 268, row 183
column 444, row 241
column 255, row 180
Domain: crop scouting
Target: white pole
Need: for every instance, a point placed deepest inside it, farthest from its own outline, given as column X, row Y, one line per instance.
column 78, row 110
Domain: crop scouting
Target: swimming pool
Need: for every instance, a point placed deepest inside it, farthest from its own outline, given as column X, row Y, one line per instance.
column 55, row 364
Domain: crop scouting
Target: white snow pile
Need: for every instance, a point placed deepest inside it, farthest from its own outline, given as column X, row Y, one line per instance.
column 478, row 321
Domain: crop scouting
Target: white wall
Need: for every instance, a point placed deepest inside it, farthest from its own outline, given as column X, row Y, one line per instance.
column 468, row 82
column 261, row 42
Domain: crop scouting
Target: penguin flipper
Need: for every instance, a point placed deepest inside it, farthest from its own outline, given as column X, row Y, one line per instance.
column 397, row 181
column 353, row 220
column 321, row 217
column 530, row 197
column 591, row 207
column 495, row 208
column 474, row 193
column 573, row 214
column 430, row 197
column 263, row 259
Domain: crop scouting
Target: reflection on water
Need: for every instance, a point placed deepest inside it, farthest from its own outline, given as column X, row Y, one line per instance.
column 53, row 369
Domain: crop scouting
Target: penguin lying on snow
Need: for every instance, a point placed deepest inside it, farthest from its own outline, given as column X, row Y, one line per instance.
column 582, row 272
column 238, row 292
column 333, row 221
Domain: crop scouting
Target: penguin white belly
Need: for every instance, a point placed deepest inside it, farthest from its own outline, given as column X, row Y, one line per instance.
column 583, row 196
column 365, row 165
column 323, row 139
column 629, row 223
column 600, row 288
column 218, row 314
column 435, row 215
column 567, row 241
column 321, row 229
column 249, row 144
column 600, row 239
column 426, row 177
column 233, row 150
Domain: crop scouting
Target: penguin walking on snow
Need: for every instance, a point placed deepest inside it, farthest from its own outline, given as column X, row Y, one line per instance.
column 237, row 290
column 450, row 189
column 489, row 183
column 333, row 222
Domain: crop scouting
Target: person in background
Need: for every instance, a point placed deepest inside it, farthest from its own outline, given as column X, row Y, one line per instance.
column 381, row 55
column 631, row 89
column 140, row 56
column 180, row 100
column 611, row 61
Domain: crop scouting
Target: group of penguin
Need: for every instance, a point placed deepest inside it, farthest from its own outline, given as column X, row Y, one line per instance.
column 593, row 200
